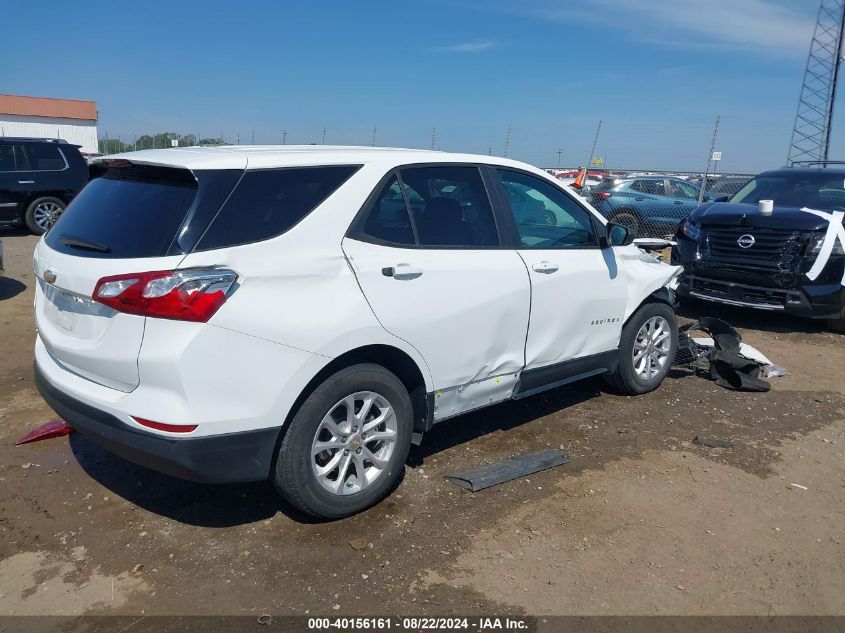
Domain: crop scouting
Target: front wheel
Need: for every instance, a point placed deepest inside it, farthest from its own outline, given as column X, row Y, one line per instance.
column 347, row 444
column 647, row 348
column 629, row 220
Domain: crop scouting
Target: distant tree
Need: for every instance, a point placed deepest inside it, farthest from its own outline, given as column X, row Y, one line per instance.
column 212, row 141
column 189, row 140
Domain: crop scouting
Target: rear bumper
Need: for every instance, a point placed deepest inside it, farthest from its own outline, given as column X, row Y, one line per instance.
column 226, row 458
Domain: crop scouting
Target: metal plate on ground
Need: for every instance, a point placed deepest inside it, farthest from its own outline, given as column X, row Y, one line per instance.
column 493, row 474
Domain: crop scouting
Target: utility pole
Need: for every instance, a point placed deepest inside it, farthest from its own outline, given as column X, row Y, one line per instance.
column 709, row 158
column 374, row 136
column 324, row 136
column 433, row 137
column 595, row 141
column 135, row 143
column 559, row 152
column 284, row 137
column 507, row 140
column 253, row 137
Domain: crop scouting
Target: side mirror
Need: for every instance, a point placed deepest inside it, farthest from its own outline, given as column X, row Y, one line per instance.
column 618, row 235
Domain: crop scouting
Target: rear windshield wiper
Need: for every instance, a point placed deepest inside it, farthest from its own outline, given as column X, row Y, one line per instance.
column 78, row 242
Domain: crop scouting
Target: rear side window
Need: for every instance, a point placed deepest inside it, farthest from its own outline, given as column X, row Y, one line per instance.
column 266, row 203
column 45, row 157
column 388, row 219
column 450, row 206
column 131, row 211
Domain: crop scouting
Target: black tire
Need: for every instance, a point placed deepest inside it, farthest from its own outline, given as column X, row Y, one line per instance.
column 33, row 218
column 628, row 219
column 836, row 325
column 293, row 475
column 625, row 378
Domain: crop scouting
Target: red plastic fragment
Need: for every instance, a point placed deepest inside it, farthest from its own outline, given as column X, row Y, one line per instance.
column 53, row 428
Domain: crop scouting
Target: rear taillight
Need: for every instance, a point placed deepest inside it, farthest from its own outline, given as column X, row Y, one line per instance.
column 603, row 195
column 192, row 294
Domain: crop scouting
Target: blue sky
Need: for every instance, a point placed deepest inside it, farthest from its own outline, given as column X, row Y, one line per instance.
column 656, row 72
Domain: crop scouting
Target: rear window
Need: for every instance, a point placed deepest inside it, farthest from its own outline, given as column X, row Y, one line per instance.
column 126, row 212
column 266, row 203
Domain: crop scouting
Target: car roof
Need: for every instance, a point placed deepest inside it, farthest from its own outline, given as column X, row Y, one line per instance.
column 804, row 170
column 270, row 156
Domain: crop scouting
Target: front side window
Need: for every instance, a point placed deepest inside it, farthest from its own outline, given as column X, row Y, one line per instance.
column 545, row 216
column 45, row 157
column 266, row 203
column 681, row 189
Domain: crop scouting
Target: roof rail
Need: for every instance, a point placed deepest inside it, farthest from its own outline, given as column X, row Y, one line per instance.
column 33, row 138
column 811, row 163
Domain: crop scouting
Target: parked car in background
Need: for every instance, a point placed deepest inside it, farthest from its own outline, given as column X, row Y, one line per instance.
column 726, row 187
column 733, row 254
column 650, row 206
column 303, row 313
column 38, row 179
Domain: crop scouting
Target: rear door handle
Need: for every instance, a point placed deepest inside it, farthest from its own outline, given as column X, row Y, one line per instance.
column 402, row 271
column 26, row 182
column 545, row 267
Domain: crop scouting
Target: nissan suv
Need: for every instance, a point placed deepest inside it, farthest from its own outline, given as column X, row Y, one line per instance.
column 734, row 254
column 38, row 179
column 303, row 314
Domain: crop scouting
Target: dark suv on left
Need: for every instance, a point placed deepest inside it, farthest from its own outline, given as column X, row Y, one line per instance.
column 38, row 178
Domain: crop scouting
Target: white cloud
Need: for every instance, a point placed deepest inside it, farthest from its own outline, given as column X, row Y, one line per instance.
column 467, row 47
column 757, row 26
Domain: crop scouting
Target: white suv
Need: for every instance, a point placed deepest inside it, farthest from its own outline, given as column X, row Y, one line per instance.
column 304, row 314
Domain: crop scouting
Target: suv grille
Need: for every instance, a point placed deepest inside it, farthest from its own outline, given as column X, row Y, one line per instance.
column 775, row 250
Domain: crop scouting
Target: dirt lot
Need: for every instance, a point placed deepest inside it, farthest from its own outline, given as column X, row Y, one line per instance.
column 641, row 521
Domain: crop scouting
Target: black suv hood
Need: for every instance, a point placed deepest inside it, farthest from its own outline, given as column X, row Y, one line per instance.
column 747, row 215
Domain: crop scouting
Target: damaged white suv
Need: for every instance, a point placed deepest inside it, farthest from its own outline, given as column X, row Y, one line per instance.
column 304, row 314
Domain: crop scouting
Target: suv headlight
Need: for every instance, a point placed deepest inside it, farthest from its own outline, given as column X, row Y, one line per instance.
column 690, row 229
column 816, row 246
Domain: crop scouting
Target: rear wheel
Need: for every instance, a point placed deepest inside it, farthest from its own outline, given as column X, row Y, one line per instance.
column 42, row 214
column 647, row 348
column 628, row 219
column 347, row 444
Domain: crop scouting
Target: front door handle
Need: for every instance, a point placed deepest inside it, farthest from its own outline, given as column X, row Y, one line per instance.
column 545, row 267
column 26, row 182
column 679, row 201
column 402, row 271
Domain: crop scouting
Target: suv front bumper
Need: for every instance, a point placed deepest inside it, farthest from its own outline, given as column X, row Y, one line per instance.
column 814, row 301
column 226, row 458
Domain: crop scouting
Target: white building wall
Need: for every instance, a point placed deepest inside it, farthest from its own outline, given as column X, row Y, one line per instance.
column 76, row 131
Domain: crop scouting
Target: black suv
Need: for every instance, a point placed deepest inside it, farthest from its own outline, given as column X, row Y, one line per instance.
column 733, row 254
column 38, row 178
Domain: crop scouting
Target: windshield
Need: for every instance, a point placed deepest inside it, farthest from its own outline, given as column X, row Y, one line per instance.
column 824, row 191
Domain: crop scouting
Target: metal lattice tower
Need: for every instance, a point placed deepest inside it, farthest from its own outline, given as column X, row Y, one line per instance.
column 811, row 134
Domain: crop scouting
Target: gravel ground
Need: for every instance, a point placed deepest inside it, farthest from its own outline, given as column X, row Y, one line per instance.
column 641, row 521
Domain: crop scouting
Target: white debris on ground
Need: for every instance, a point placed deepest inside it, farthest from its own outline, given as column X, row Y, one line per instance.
column 770, row 370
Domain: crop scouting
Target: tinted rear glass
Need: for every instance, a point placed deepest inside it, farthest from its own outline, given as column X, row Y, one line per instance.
column 132, row 211
column 44, row 157
column 266, row 203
